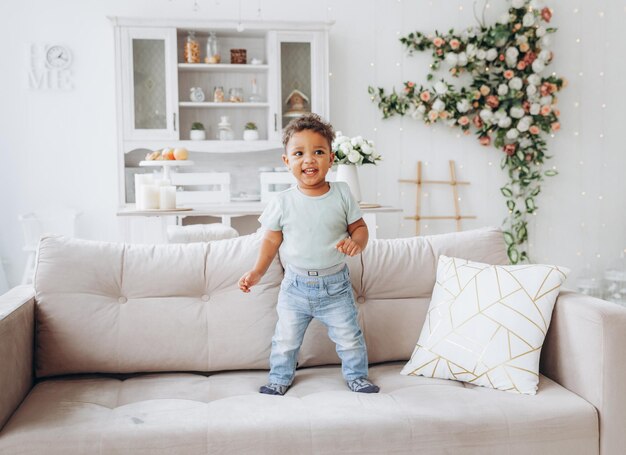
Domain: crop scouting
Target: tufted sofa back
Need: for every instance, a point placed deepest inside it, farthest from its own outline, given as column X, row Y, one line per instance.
column 116, row 308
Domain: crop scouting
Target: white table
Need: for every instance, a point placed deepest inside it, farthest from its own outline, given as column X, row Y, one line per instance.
column 227, row 211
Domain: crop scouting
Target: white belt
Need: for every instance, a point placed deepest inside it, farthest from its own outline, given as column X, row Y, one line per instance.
column 317, row 272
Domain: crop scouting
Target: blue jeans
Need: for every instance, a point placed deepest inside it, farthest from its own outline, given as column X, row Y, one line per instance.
column 328, row 299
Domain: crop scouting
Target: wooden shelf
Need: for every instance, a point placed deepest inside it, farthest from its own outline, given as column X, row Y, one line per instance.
column 225, row 105
column 222, row 67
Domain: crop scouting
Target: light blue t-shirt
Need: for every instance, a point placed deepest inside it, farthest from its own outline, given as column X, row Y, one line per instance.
column 312, row 225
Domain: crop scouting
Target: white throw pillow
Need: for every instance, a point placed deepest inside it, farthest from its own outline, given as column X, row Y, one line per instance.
column 486, row 324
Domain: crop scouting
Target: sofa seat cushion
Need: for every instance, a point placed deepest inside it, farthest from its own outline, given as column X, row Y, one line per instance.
column 187, row 413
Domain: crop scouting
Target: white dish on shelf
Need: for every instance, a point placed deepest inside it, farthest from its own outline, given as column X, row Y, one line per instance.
column 177, row 209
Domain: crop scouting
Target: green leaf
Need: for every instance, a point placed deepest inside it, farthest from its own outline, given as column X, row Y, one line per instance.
column 510, row 204
column 508, row 238
column 506, row 191
column 513, row 254
column 550, row 173
column 530, row 204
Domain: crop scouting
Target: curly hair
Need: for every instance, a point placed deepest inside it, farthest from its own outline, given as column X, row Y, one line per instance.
column 311, row 122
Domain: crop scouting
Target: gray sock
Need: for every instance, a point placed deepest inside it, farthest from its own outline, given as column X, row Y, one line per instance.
column 273, row 389
column 362, row 385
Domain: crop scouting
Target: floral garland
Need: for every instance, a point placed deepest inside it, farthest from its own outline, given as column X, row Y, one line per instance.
column 355, row 150
column 508, row 103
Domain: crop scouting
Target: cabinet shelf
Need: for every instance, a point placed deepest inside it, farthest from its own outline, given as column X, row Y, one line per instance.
column 210, row 146
column 225, row 105
column 222, row 67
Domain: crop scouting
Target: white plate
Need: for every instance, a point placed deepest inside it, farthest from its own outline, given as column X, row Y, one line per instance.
column 250, row 198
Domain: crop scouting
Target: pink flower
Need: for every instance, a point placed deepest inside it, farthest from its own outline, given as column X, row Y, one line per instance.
column 509, row 74
column 478, row 122
column 546, row 14
column 556, row 111
column 464, row 120
column 433, row 115
column 521, row 65
column 556, row 126
column 526, row 106
column 484, row 90
column 425, row 96
column 455, row 43
column 530, row 57
column 493, row 101
column 438, row 41
column 443, row 115
column 545, row 89
column 534, row 129
column 509, row 149
column 545, row 110
column 501, row 57
column 528, row 157
column 524, row 47
column 410, row 84
column 484, row 140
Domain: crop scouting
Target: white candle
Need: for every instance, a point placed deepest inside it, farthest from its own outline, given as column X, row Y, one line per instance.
column 167, row 199
column 148, row 197
column 140, row 180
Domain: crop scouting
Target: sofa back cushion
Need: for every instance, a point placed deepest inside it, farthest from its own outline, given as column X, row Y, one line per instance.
column 116, row 308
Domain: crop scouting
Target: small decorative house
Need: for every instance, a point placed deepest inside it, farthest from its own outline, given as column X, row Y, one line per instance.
column 297, row 102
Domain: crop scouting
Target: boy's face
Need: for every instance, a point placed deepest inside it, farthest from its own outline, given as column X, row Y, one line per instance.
column 309, row 158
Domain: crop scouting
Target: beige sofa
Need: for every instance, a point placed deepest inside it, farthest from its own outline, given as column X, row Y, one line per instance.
column 152, row 349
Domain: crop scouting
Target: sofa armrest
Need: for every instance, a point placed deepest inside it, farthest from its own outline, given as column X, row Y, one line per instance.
column 585, row 352
column 17, row 334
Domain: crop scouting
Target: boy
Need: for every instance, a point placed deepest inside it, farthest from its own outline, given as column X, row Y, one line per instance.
column 315, row 225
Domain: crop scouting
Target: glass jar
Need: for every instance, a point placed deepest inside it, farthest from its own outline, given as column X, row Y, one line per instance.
column 235, row 95
column 218, row 94
column 225, row 132
column 212, row 54
column 615, row 282
column 192, row 49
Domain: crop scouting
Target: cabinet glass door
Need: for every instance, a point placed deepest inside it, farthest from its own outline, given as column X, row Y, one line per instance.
column 302, row 75
column 150, row 71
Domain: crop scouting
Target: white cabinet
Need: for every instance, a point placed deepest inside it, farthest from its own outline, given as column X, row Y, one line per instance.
column 154, row 106
column 148, row 83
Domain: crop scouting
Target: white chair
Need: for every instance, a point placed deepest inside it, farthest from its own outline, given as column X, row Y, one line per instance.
column 274, row 182
column 201, row 188
column 35, row 224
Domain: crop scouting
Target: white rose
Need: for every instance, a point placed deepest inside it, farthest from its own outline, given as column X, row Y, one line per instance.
column 544, row 55
column 531, row 90
column 503, row 89
column 415, row 113
column 537, row 4
column 492, row 54
column 538, row 66
column 525, row 142
column 472, row 31
column 441, row 88
column 518, row 4
column 358, row 140
column 504, row 18
column 512, row 134
column 535, row 108
column 523, row 124
column 463, row 106
column 366, row 149
column 421, row 109
column 505, row 122
column 486, row 115
column 471, row 50
column 452, row 59
column 346, row 148
column 521, row 39
column 534, row 79
column 545, row 100
column 481, row 54
column 462, row 59
column 512, row 52
column 341, row 139
column 516, row 112
column 546, row 41
column 529, row 19
column 541, row 31
column 439, row 106
column 516, row 83
column 451, row 122
column 354, row 157
column 500, row 114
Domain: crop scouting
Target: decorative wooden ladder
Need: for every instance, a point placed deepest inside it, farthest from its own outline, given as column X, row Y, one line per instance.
column 453, row 182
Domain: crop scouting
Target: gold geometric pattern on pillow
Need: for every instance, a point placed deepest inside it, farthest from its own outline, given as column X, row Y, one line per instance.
column 486, row 324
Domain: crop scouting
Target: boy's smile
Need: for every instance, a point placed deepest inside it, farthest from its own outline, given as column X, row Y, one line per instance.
column 309, row 158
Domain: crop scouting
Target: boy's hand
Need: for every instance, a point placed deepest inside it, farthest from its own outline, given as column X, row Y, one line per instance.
column 349, row 247
column 248, row 280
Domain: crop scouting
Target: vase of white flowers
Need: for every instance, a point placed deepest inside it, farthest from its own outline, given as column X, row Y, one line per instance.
column 350, row 153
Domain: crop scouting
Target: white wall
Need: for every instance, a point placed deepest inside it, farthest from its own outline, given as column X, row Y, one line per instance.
column 59, row 148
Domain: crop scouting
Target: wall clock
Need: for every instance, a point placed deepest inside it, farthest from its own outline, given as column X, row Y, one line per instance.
column 58, row 57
